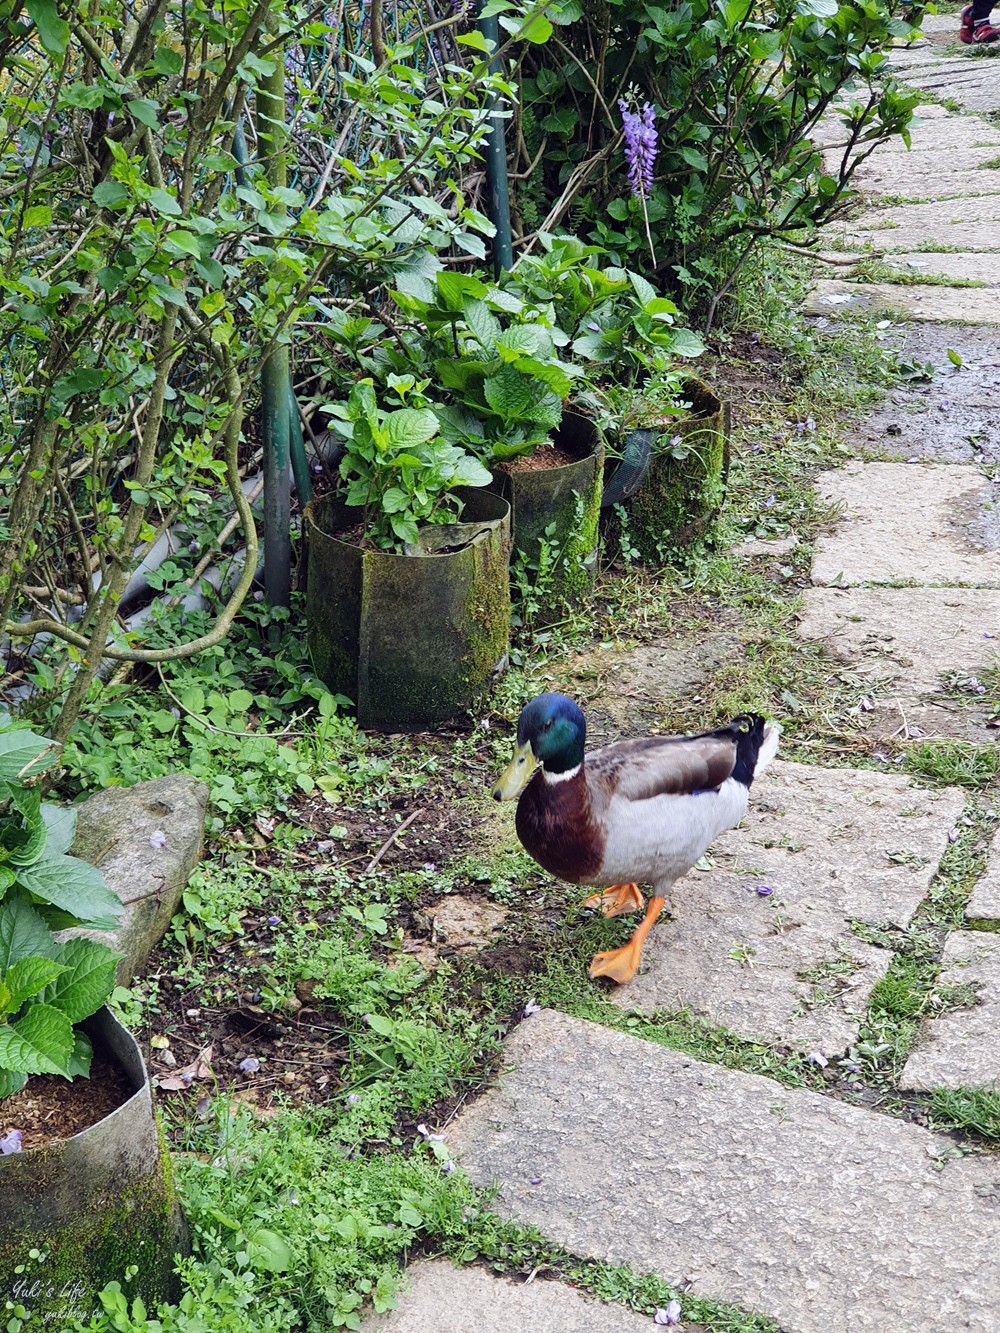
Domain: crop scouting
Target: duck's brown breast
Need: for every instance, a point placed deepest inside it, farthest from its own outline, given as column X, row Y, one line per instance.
column 556, row 826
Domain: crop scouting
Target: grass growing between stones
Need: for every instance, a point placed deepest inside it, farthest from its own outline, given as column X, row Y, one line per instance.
column 908, row 992
column 509, row 1247
column 972, row 1110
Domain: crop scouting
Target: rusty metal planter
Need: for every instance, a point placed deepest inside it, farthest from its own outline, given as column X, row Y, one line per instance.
column 566, row 499
column 679, row 498
column 90, row 1207
column 411, row 639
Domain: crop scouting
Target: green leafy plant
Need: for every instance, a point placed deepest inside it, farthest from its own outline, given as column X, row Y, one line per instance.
column 735, row 93
column 46, row 987
column 400, row 472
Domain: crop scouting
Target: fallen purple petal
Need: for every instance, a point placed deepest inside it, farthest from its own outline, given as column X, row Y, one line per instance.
column 448, row 1168
column 594, row 328
column 669, row 1317
column 535, row 1180
column 353, row 1099
column 429, row 865
column 764, row 890
column 11, row 1142
column 771, row 500
column 250, row 1065
column 158, row 839
column 532, row 1008
column 817, row 1058
column 945, row 404
column 273, row 920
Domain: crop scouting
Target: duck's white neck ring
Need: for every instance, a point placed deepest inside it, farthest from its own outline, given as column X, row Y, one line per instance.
column 561, row 777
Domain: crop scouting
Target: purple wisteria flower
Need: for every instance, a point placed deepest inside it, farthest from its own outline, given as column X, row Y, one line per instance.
column 640, row 147
column 11, row 1142
column 250, row 1065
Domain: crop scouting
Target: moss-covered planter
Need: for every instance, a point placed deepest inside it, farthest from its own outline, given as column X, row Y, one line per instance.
column 412, row 639
column 561, row 506
column 89, row 1208
column 679, row 497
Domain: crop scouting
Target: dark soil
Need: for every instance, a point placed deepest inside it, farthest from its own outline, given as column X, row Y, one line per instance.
column 540, row 460
column 50, row 1108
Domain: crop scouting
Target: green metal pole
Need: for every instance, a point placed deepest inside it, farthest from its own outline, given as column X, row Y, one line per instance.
column 275, row 377
column 300, row 464
column 498, row 202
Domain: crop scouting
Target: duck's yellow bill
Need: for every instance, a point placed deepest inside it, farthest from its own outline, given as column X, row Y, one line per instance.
column 515, row 776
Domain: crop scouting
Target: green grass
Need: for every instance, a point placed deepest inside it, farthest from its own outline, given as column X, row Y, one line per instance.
column 909, row 991
column 975, row 1110
column 954, row 763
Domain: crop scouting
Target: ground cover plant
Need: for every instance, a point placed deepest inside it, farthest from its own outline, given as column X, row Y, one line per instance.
column 326, row 1057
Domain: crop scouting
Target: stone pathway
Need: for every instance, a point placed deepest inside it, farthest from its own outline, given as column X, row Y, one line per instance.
column 819, row 1214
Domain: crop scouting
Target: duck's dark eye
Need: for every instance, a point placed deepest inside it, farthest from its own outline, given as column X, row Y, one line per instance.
column 548, row 725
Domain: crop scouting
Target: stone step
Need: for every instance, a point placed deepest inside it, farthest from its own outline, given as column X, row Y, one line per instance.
column 984, row 901
column 959, row 1048
column 819, row 1214
column 833, row 846
column 950, row 418
column 835, row 297
column 906, row 638
column 925, row 523
column 145, row 840
column 974, row 85
column 443, row 1299
column 928, row 264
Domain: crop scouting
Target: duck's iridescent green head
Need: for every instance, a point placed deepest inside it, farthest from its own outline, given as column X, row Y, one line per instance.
column 551, row 731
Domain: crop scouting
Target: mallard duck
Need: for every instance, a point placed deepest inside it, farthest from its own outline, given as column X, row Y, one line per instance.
column 638, row 811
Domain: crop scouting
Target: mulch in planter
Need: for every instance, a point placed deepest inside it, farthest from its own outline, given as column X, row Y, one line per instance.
column 49, row 1108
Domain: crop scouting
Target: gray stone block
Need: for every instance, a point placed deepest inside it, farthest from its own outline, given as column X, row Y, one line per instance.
column 984, row 901
column 833, row 846
column 114, row 831
column 960, row 1048
column 444, row 1299
column 908, row 523
column 819, row 1214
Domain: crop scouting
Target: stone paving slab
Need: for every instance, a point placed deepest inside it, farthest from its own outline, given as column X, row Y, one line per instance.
column 960, row 1048
column 444, row 1299
column 907, row 523
column 834, row 846
column 912, row 232
column 951, row 418
column 819, row 1214
column 941, row 132
column 919, row 176
column 968, row 267
column 974, row 86
column 906, row 637
column 984, row 901
column 836, row 297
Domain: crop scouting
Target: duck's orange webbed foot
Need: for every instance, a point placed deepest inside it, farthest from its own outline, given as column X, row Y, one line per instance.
column 617, row 900
column 622, row 964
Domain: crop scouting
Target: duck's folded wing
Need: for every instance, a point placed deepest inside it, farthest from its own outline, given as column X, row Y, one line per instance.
column 662, row 765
